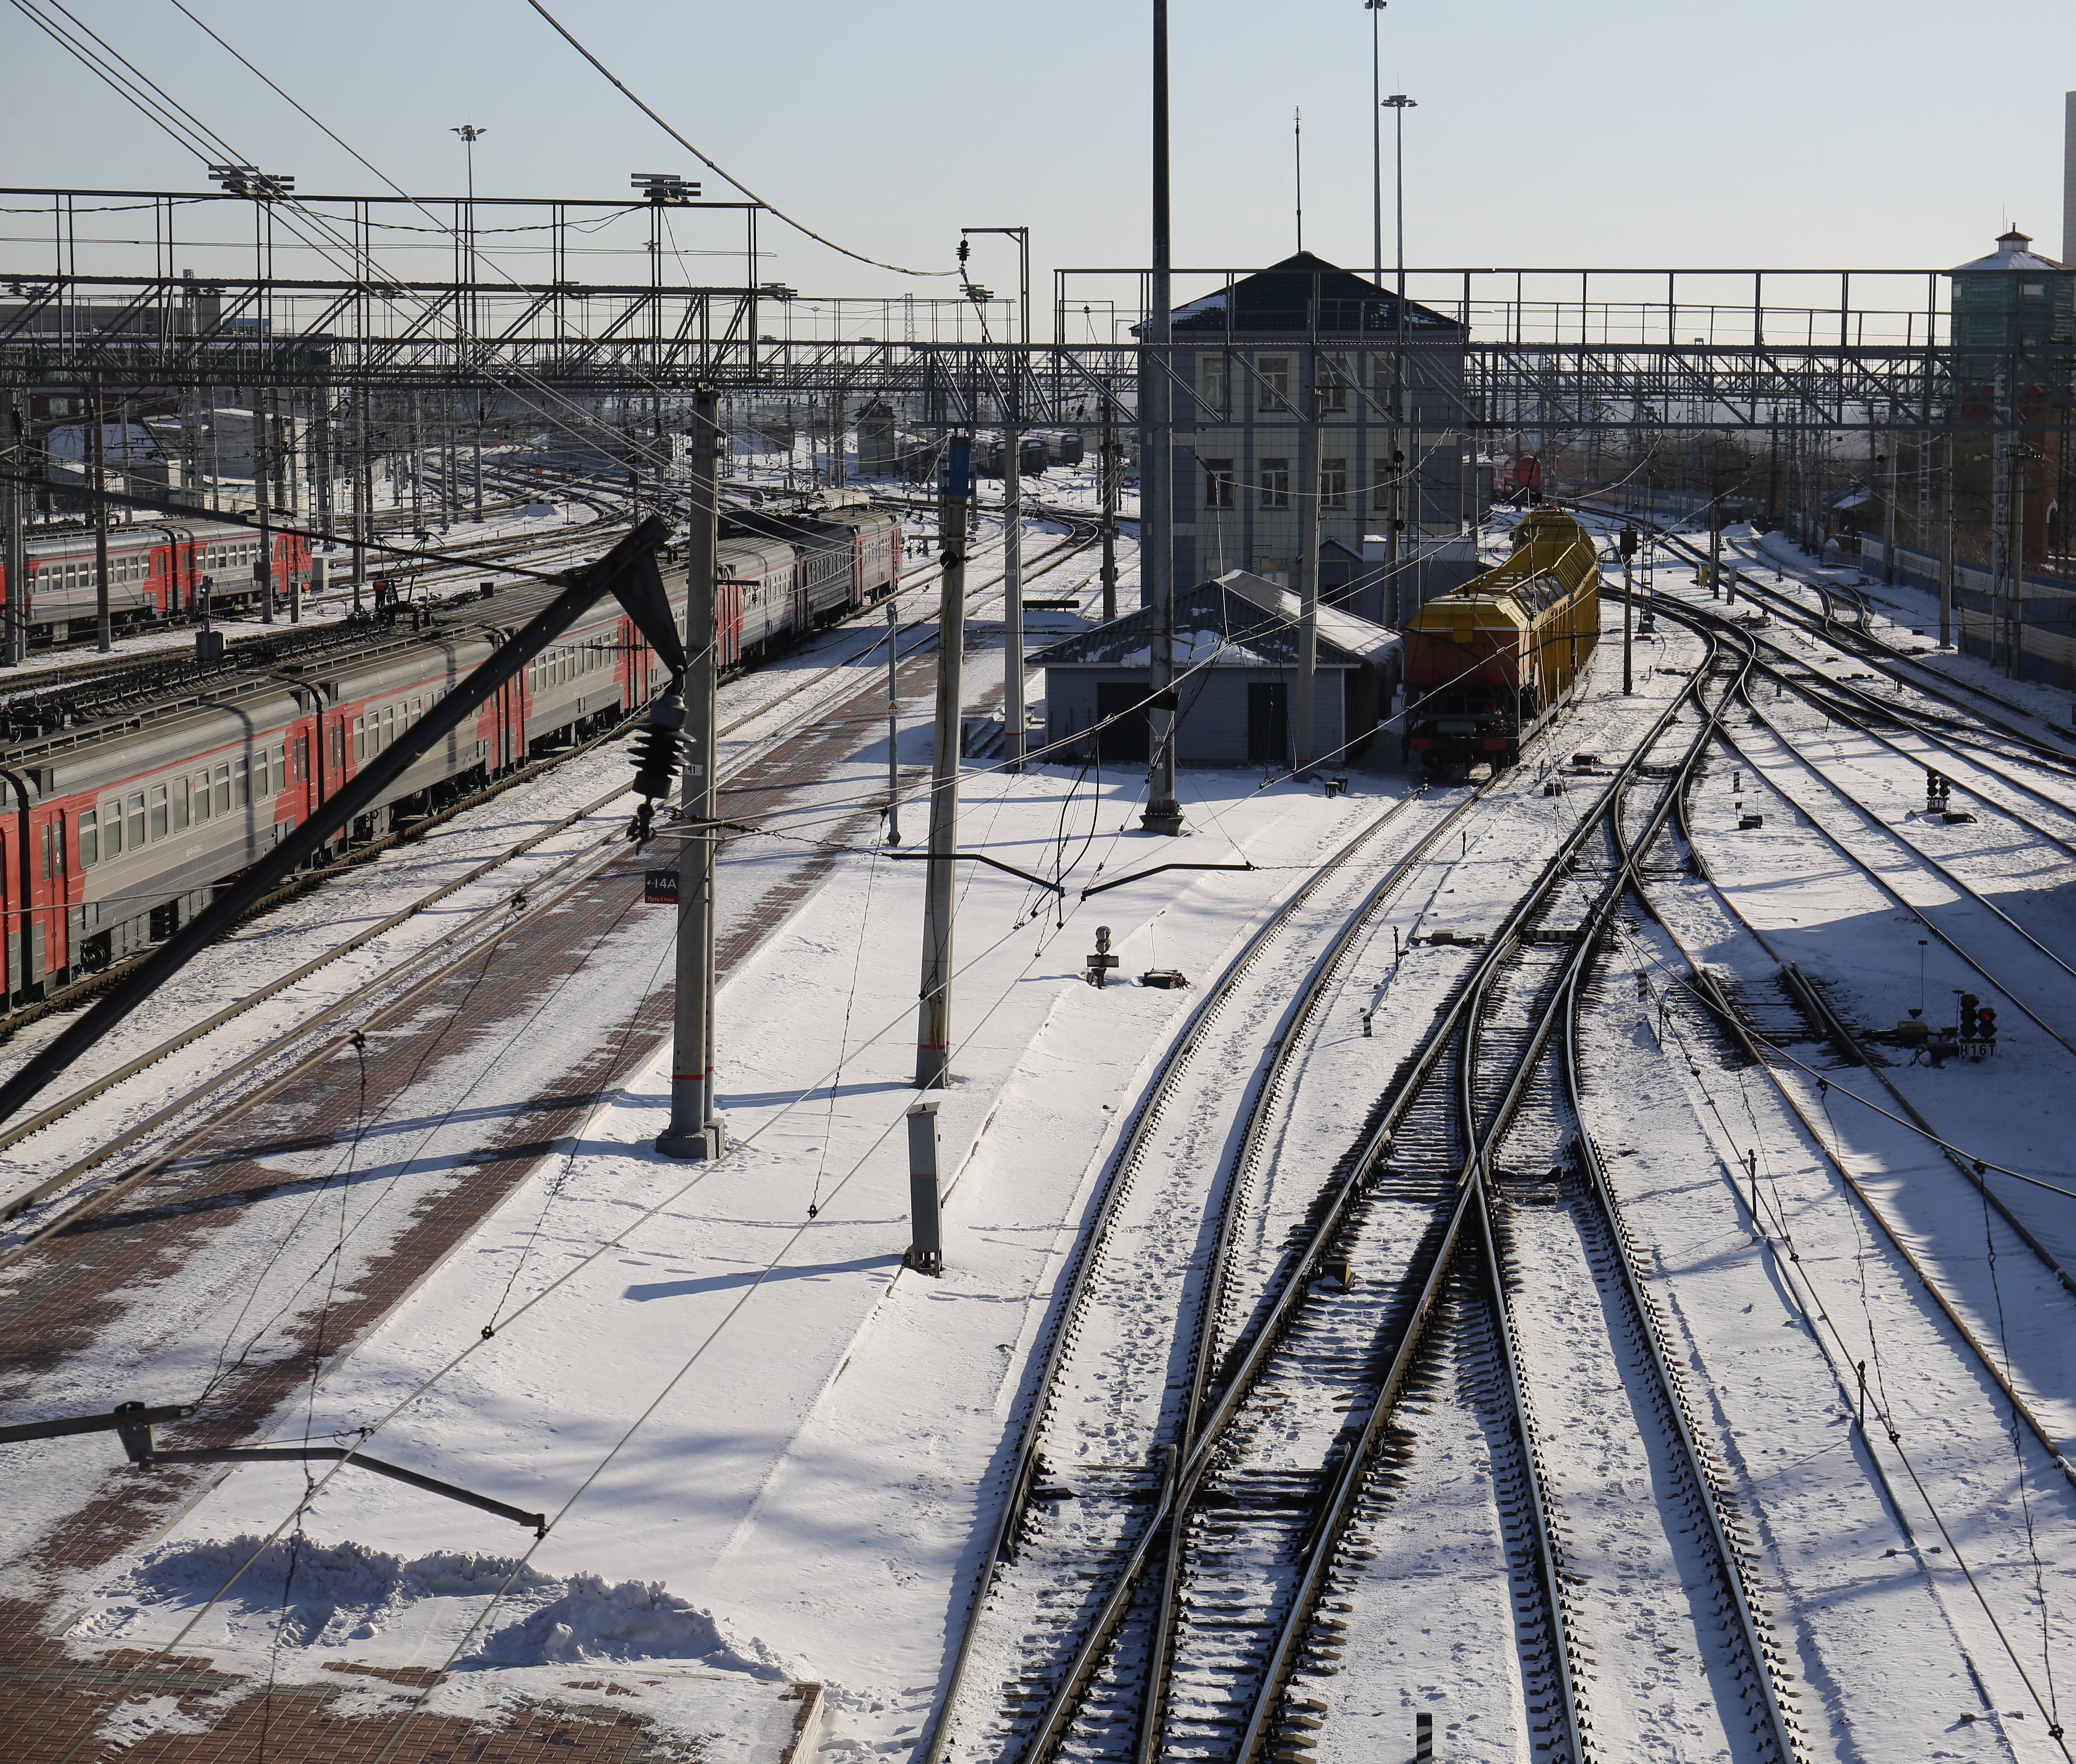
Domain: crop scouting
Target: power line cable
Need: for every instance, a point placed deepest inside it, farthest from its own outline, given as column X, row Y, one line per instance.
column 622, row 86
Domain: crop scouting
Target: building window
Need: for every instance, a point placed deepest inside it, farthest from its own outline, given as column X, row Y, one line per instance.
column 1275, row 388
column 1333, row 484
column 89, row 837
column 1217, row 383
column 1333, row 384
column 1276, row 484
column 1217, row 484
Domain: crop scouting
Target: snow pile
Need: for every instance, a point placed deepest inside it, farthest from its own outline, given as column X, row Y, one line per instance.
column 592, row 1621
column 326, row 1595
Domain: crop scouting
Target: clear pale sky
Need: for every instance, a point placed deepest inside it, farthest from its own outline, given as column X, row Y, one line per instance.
column 1877, row 133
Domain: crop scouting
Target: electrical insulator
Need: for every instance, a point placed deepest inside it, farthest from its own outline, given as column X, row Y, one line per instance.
column 658, row 749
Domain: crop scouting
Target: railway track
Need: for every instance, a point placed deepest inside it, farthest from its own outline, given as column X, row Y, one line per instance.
column 1203, row 1595
column 422, row 965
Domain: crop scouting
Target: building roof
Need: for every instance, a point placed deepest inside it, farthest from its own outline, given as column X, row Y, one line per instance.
column 1279, row 299
column 2011, row 253
column 1237, row 619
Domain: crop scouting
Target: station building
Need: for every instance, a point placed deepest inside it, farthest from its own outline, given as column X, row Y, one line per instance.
column 1244, row 356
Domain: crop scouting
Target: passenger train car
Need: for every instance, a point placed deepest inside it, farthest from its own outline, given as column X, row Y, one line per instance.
column 155, row 570
column 114, row 832
column 1488, row 662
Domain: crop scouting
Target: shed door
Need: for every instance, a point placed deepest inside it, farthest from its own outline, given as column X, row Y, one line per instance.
column 1123, row 742
column 1268, row 723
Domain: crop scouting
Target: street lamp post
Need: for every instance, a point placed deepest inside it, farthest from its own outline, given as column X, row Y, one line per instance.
column 1375, row 10
column 1398, row 104
column 1013, row 711
column 470, row 134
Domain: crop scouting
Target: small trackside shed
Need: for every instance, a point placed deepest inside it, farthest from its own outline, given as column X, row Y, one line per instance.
column 1236, row 668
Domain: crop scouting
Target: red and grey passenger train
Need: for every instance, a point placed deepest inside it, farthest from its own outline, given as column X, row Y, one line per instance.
column 115, row 830
column 156, row 570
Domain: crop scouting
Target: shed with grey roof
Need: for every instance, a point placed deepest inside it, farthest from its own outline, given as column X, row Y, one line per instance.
column 1236, row 671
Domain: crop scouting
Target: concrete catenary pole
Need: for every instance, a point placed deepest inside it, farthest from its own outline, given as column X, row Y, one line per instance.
column 695, row 1131
column 1110, row 470
column 262, row 501
column 1305, row 721
column 17, row 535
column 1156, row 523
column 1946, row 545
column 893, row 724
column 1012, row 579
column 104, row 619
column 933, row 1024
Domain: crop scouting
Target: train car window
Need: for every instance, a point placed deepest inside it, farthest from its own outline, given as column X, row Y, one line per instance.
column 89, row 837
column 183, row 805
column 242, row 783
column 262, row 785
column 223, row 790
column 360, row 740
column 160, row 811
column 339, row 746
column 1333, row 484
column 112, row 827
column 1275, row 380
column 280, row 768
column 203, row 806
column 1276, row 484
column 389, row 725
column 136, row 819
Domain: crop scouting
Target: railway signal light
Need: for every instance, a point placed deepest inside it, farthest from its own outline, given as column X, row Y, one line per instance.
column 1986, row 1022
column 1628, row 542
column 1971, row 1016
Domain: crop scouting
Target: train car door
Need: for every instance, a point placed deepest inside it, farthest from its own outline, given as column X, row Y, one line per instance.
column 802, row 621
column 728, row 624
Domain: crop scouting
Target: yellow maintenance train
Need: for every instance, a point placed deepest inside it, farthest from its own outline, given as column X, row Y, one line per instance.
column 1487, row 663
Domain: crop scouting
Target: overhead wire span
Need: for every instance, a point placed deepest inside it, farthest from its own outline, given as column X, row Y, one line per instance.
column 621, row 86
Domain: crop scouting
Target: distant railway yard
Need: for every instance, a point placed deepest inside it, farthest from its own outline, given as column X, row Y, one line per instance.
column 784, row 982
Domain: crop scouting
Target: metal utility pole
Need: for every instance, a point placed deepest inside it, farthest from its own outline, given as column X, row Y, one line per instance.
column 1628, row 547
column 1946, row 548
column 364, row 495
column 1716, row 553
column 1376, row 9
column 1163, row 813
column 933, row 1026
column 1308, row 568
column 1394, row 553
column 1110, row 471
column 104, row 622
column 1013, row 711
column 1888, row 511
column 18, row 532
column 695, row 1131
column 893, row 725
column 263, row 500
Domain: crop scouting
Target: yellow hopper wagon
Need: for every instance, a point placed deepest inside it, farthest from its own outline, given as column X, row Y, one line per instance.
column 1488, row 663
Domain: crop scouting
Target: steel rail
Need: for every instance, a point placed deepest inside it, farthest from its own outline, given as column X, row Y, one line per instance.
column 1284, row 1049
column 1762, row 1056
column 1739, row 1571
column 1866, row 705
column 1888, row 889
column 1121, row 1167
column 1253, row 1355
column 1339, row 1507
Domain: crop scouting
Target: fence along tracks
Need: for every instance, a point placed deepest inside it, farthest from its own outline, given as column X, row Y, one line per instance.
column 1189, row 1631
